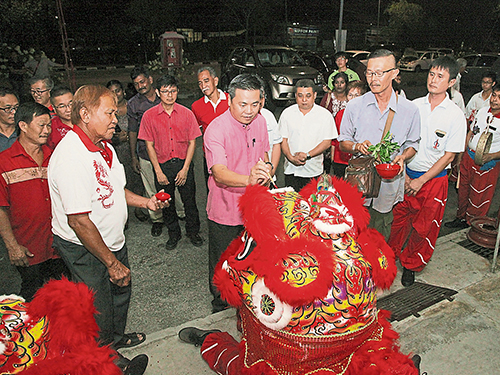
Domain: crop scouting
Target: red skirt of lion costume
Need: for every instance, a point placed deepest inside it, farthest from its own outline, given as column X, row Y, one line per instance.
column 304, row 276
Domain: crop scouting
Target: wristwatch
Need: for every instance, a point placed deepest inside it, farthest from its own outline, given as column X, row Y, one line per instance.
column 308, row 156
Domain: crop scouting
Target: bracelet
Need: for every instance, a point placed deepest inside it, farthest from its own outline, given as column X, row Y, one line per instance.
column 354, row 147
column 271, row 164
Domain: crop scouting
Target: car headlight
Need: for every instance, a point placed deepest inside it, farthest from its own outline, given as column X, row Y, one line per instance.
column 280, row 79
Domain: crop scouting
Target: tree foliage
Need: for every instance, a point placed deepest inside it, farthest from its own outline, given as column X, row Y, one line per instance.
column 405, row 21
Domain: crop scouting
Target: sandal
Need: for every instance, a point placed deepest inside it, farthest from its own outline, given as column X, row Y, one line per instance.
column 129, row 340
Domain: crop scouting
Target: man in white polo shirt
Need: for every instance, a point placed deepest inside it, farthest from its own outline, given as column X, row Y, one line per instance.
column 89, row 208
column 307, row 130
column 418, row 218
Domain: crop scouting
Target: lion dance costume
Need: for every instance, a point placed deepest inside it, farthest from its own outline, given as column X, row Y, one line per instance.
column 55, row 334
column 304, row 276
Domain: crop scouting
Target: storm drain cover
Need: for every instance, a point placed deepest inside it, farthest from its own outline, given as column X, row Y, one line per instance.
column 477, row 249
column 413, row 299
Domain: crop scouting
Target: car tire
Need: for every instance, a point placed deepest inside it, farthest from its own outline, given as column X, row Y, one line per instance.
column 418, row 69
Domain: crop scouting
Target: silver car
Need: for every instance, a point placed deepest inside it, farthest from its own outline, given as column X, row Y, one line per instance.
column 279, row 67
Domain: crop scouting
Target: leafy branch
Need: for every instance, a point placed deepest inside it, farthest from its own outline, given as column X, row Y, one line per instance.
column 382, row 151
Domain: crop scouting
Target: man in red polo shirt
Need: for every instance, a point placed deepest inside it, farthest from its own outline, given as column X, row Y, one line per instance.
column 61, row 98
column 213, row 103
column 170, row 131
column 25, row 212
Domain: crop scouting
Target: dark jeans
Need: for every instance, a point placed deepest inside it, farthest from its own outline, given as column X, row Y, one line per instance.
column 33, row 277
column 219, row 238
column 111, row 301
column 339, row 169
column 188, row 196
column 297, row 182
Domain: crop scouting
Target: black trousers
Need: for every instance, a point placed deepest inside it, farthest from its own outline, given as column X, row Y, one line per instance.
column 297, row 182
column 33, row 277
column 188, row 196
column 219, row 238
column 111, row 301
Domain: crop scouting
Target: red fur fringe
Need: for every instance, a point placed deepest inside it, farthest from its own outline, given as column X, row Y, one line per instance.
column 260, row 216
column 375, row 250
column 72, row 347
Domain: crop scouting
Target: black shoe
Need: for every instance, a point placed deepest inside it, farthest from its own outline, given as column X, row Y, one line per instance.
column 172, row 242
column 137, row 365
column 457, row 223
column 156, row 229
column 195, row 239
column 416, row 361
column 195, row 336
column 408, row 277
column 141, row 216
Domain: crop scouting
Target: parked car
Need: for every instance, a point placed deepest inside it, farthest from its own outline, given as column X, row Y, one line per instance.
column 361, row 56
column 419, row 60
column 279, row 67
column 477, row 64
column 318, row 62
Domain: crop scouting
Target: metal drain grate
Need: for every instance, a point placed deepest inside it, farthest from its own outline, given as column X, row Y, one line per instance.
column 413, row 299
column 477, row 249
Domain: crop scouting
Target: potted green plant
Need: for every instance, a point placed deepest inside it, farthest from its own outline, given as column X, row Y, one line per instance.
column 382, row 152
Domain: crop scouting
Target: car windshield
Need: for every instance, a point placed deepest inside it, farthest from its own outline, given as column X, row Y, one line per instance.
column 279, row 57
column 406, row 59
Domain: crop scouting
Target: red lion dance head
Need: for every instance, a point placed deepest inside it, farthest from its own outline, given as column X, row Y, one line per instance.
column 55, row 334
column 305, row 274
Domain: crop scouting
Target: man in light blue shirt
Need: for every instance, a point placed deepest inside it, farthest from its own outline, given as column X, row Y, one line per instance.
column 363, row 124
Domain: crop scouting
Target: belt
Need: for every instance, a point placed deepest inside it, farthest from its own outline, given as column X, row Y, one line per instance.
column 173, row 160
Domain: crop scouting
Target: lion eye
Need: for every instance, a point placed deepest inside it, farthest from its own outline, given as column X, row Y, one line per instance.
column 247, row 248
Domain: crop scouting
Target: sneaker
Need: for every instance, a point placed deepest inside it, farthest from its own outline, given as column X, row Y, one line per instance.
column 195, row 336
column 457, row 223
column 156, row 229
column 196, row 240
column 172, row 242
column 408, row 277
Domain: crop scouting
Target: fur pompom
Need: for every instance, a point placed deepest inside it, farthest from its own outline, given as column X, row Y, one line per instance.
column 259, row 212
column 381, row 257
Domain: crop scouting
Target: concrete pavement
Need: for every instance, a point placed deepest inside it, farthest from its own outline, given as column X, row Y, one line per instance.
column 458, row 337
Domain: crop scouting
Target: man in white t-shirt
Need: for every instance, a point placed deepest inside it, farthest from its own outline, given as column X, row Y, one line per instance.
column 307, row 130
column 89, row 209
column 418, row 218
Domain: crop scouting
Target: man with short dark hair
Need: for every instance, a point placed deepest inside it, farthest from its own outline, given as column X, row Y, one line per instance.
column 482, row 98
column 364, row 122
column 9, row 103
column 145, row 99
column 61, row 98
column 307, row 130
column 478, row 182
column 25, row 210
column 236, row 146
column 170, row 131
column 341, row 60
column 213, row 103
column 417, row 220
column 40, row 91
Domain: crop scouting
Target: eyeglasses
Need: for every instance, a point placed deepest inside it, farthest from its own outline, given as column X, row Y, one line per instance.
column 38, row 92
column 378, row 74
column 169, row 92
column 10, row 109
column 64, row 106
